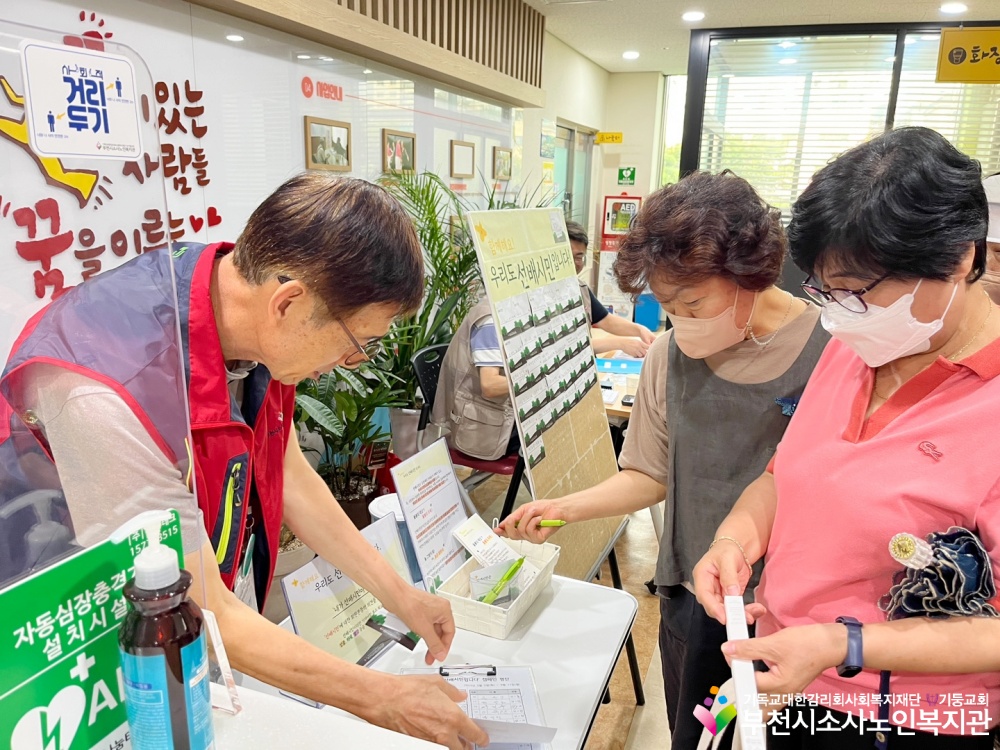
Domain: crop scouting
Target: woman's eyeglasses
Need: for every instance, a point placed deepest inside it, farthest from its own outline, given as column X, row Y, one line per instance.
column 849, row 299
column 363, row 353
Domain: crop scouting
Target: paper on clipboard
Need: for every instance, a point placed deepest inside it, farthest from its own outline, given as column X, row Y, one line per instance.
column 502, row 701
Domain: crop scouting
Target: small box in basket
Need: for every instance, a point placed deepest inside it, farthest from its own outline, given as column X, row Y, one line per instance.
column 487, row 619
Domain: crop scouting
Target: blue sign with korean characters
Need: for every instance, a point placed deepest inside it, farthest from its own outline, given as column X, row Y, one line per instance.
column 80, row 102
column 61, row 683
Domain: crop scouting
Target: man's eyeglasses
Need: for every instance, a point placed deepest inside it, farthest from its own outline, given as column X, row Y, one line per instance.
column 849, row 299
column 363, row 353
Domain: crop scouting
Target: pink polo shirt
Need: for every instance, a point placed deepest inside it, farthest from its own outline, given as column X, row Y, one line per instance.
column 926, row 460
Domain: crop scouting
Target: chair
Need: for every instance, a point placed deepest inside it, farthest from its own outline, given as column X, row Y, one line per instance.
column 427, row 366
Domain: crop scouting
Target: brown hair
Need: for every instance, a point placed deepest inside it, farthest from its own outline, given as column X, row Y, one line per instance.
column 346, row 239
column 704, row 225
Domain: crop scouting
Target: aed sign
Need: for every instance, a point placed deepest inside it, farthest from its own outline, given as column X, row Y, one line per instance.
column 969, row 55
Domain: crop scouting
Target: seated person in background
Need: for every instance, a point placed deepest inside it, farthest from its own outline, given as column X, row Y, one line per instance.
column 629, row 337
column 991, row 279
column 472, row 399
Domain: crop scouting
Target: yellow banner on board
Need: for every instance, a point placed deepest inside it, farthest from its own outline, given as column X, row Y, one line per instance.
column 969, row 56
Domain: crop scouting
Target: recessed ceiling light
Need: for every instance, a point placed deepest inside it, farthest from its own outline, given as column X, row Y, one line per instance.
column 304, row 57
column 953, row 8
column 234, row 38
column 787, row 61
column 786, row 44
column 693, row 15
column 367, row 71
column 324, row 58
column 630, row 54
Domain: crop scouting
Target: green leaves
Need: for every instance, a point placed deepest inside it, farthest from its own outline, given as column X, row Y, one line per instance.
column 320, row 413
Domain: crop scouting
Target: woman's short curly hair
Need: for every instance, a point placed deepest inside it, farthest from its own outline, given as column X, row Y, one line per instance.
column 705, row 225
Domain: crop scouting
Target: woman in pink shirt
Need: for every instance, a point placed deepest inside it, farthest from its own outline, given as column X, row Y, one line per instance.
column 895, row 433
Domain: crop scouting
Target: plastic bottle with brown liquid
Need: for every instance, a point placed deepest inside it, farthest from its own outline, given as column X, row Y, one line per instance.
column 164, row 656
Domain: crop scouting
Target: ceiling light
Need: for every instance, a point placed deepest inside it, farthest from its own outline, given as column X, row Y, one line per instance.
column 234, row 38
column 953, row 8
column 304, row 57
column 367, row 71
column 786, row 45
column 787, row 61
column 324, row 58
column 630, row 55
column 693, row 15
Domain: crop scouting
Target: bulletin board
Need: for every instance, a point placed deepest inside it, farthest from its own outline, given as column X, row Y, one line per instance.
column 527, row 267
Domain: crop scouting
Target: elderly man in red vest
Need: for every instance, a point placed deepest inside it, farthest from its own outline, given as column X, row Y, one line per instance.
column 313, row 282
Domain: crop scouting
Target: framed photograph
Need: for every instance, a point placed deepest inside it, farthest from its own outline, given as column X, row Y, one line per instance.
column 502, row 160
column 399, row 151
column 328, row 145
column 463, row 159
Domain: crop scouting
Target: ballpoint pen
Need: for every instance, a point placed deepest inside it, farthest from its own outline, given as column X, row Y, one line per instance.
column 491, row 596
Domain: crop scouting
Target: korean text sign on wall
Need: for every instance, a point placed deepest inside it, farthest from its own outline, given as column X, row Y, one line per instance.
column 970, row 55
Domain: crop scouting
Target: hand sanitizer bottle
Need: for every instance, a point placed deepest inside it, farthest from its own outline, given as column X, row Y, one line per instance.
column 164, row 655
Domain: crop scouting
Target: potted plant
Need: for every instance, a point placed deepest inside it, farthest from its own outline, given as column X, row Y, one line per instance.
column 341, row 408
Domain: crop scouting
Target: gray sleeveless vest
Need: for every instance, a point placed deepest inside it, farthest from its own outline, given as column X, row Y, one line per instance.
column 722, row 435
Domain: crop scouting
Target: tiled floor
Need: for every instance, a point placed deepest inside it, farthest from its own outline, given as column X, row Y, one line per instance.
column 620, row 725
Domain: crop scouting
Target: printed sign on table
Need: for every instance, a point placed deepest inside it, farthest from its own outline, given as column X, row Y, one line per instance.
column 432, row 507
column 335, row 614
column 80, row 102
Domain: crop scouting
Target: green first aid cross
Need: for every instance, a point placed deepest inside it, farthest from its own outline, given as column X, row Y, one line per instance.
column 61, row 684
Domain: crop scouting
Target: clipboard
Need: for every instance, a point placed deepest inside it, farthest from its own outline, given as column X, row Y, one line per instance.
column 503, row 701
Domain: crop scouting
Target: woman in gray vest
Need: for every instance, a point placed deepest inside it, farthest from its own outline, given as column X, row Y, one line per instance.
column 714, row 398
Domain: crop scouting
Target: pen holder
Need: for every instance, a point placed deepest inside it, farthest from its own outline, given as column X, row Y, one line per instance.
column 487, row 619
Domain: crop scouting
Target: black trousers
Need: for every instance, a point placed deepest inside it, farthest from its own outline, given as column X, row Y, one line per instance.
column 806, row 737
column 690, row 651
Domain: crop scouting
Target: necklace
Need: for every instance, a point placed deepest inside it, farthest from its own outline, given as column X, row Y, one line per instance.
column 763, row 344
column 951, row 358
column 982, row 327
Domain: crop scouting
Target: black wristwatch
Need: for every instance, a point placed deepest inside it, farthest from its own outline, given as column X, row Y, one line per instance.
column 854, row 662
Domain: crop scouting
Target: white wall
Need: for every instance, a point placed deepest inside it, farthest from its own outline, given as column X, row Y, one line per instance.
column 635, row 108
column 575, row 91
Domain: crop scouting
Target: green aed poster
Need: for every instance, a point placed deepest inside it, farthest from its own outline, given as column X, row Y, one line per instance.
column 61, row 682
column 626, row 175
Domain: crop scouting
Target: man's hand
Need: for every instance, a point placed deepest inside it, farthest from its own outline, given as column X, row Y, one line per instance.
column 426, row 707
column 429, row 617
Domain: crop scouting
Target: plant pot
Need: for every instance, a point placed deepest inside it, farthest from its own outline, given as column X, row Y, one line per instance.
column 403, row 425
column 292, row 558
column 355, row 502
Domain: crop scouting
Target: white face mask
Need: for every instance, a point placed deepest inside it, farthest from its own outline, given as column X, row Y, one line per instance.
column 702, row 337
column 883, row 334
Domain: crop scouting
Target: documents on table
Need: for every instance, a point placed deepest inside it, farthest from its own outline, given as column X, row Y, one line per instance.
column 502, row 701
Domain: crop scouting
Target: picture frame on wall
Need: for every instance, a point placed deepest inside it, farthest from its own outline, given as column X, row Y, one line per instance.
column 399, row 151
column 463, row 159
column 328, row 144
column 503, row 159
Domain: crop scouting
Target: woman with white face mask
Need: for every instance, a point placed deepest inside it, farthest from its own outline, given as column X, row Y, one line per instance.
column 896, row 434
column 714, row 398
